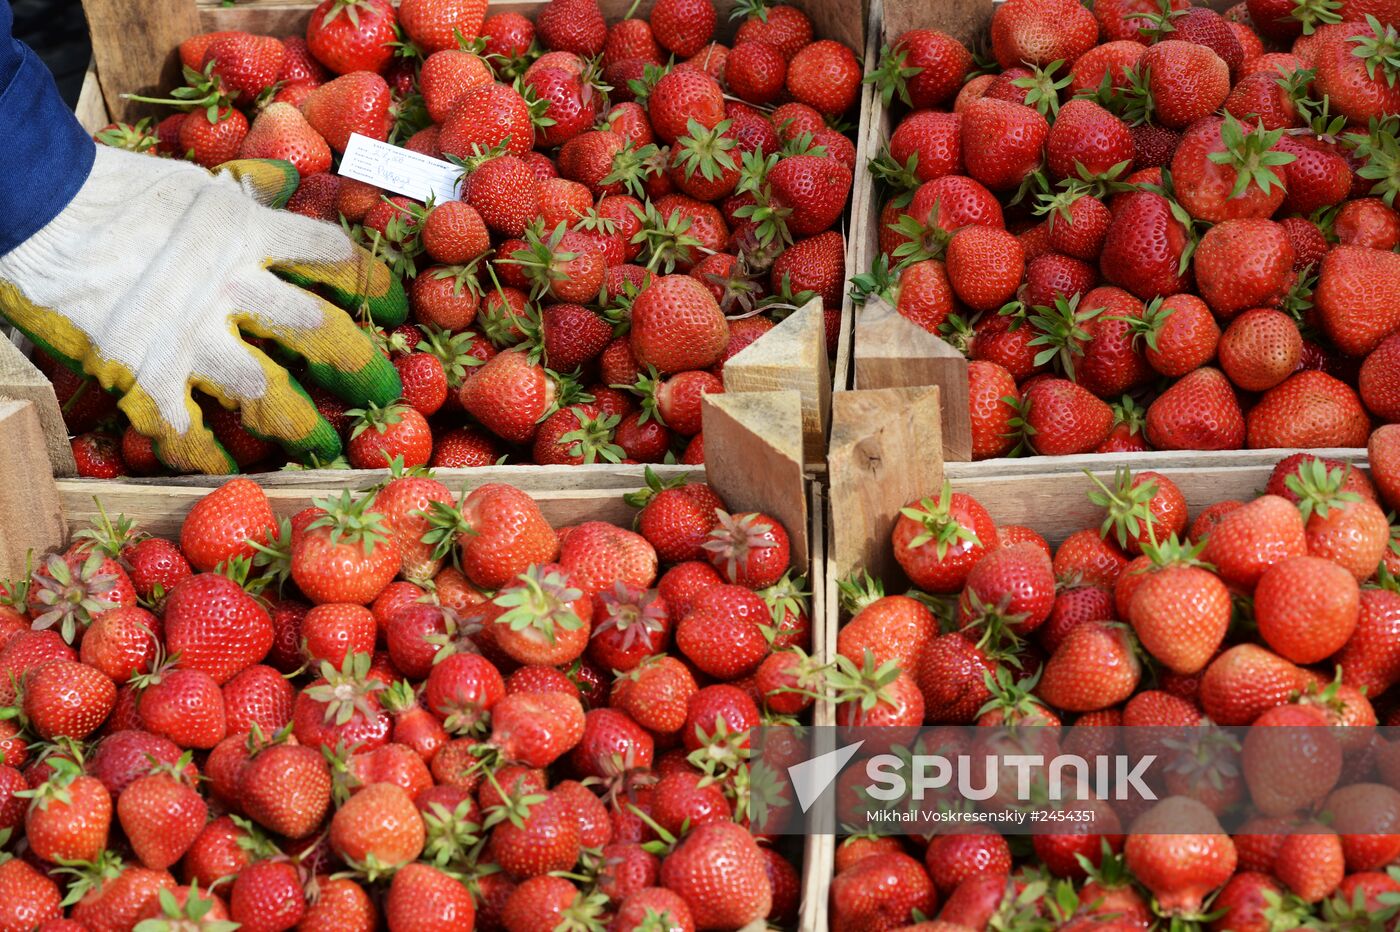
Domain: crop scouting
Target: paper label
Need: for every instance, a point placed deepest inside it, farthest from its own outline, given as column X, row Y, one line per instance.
column 401, row 171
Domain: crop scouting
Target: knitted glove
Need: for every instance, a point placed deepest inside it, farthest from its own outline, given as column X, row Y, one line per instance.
column 157, row 274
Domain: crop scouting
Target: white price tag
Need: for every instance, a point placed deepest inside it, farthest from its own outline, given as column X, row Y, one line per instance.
column 401, row 171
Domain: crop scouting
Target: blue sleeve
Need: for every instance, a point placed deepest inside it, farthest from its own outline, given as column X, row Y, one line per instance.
column 48, row 154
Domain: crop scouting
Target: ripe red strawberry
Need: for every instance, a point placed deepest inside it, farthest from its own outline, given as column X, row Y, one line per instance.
column 812, row 189
column 162, row 816
column 1354, row 68
column 1184, row 867
column 507, row 534
column 984, row 266
column 681, row 96
column 287, row 789
column 1093, row 668
column 281, row 132
column 1144, row 246
column 733, row 896
column 755, row 72
column 64, row 698
column 215, row 626
column 381, row 435
column 223, row 524
column 155, row 566
column 1180, row 612
column 510, row 395
column 676, row 517
column 651, row 905
column 28, row 898
column 1354, row 297
column 352, row 35
column 942, row 63
column 989, row 386
column 122, row 642
column 98, row 456
column 345, row 554
column 1309, row 409
column 748, row 549
column 267, row 893
column 353, row 103
column 826, row 76
column 421, row 896
column 1058, row 417
column 677, row 325
column 1260, row 349
column 722, row 635
column 1242, row 264
column 259, row 695
column 1038, row 32
column 1377, row 382
column 1199, row 412
column 572, row 26
column 856, row 905
column 683, row 27
column 1307, row 608
column 212, row 142
column 69, row 815
column 1225, row 171
column 1246, row 681
column 184, row 705
column 937, row 540
column 378, row 826
column 1187, row 81
column 433, row 25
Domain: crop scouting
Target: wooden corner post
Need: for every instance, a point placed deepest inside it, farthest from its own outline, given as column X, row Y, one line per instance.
column 134, row 45
column 892, row 351
column 753, row 458
column 791, row 356
column 31, row 519
column 885, row 452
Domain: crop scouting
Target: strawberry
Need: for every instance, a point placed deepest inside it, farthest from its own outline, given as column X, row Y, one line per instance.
column 572, row 26
column 1246, row 681
column 69, row 815
column 1343, row 527
column 937, row 540
column 64, row 698
column 353, row 103
column 826, row 76
column 1260, row 349
column 1248, row 540
column 681, row 96
column 511, row 394
column 258, row 695
column 653, row 906
column 1309, row 409
column 98, row 456
column 1094, row 667
column 1039, row 32
column 28, row 898
column 1180, row 611
column 434, row 26
column 989, row 387
column 453, row 233
column 1057, row 417
column 421, row 896
column 1307, row 608
column 161, row 816
column 1183, row 867
column 1243, row 264
column 812, row 190
column 1223, row 172
column 405, row 504
column 1003, row 142
column 1186, row 81
column 755, row 72
column 379, row 828
column 267, row 894
column 546, row 619
column 1353, row 297
column 504, row 535
column 210, row 140
column 215, row 627
column 924, row 146
column 924, row 68
column 121, row 642
column 1016, row 580
column 1377, row 383
column 345, row 554
column 184, row 705
column 677, row 325
column 1146, row 246
column 281, row 132
column 224, row 524
column 1199, row 412
column 984, row 266
column 352, row 35
column 683, row 27
column 734, row 896
column 1312, row 865
column 1356, row 69
column 1318, row 176
column 722, row 633
column 286, row 788
column 319, row 714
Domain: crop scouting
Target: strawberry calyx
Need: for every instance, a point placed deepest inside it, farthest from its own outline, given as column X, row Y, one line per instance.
column 939, row 526
column 1013, row 700
column 994, row 628
column 351, row 521
column 891, row 76
column 666, row 241
column 88, row 876
column 655, row 485
column 802, row 144
column 1043, row 88
column 1251, row 155
column 347, row 691
column 544, row 601
column 632, row 165
column 786, row 597
column 635, row 613
column 447, row 524
column 1128, row 413
column 452, row 835
column 708, row 151
column 645, row 388
column 922, row 241
column 1132, row 102
column 900, row 180
column 1320, row 490
column 740, row 289
column 593, row 439
column 542, row 261
column 1288, row 911
column 1159, row 24
column 737, row 537
column 859, row 590
column 1129, row 515
column 537, row 105
column 866, row 685
column 191, row 915
column 1148, row 327
column 203, row 91
column 1381, row 49
column 70, row 599
column 1061, row 331
column 133, row 137
column 1379, row 149
column 722, row 752
column 63, row 772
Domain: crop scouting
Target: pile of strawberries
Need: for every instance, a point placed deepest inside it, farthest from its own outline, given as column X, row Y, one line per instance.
column 640, row 203
column 398, row 710
column 1151, row 226
column 1283, row 610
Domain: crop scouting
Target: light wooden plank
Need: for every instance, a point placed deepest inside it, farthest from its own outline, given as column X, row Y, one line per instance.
column 20, row 381
column 819, row 855
column 30, row 517
column 753, row 459
column 135, row 47
column 1159, row 460
column 527, row 477
column 91, row 109
column 964, row 20
column 885, row 452
column 791, row 356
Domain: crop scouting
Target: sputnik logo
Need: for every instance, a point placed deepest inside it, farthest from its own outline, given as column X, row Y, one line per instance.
column 811, row 777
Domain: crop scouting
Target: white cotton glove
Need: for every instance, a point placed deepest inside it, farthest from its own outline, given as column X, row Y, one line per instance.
column 150, row 279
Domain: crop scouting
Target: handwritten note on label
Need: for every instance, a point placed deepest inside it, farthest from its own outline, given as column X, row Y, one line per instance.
column 401, row 171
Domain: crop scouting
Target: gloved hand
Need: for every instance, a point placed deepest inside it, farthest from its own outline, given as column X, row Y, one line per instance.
column 153, row 275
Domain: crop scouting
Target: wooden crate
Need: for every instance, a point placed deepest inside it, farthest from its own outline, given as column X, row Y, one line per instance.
column 38, row 513
column 133, row 53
